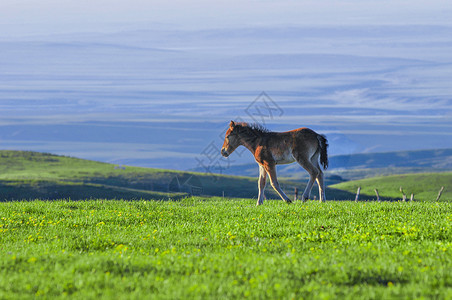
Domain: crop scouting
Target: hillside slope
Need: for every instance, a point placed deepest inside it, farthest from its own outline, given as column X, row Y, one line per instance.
column 424, row 186
column 29, row 175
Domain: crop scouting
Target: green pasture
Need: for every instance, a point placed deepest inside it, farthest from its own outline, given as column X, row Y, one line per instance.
column 424, row 186
column 210, row 248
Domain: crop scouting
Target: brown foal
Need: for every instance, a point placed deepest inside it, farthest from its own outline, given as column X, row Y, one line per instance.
column 302, row 145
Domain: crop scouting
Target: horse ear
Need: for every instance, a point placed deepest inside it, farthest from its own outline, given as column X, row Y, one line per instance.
column 232, row 125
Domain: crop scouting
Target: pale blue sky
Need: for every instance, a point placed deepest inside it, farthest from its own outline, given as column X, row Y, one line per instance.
column 57, row 16
column 121, row 81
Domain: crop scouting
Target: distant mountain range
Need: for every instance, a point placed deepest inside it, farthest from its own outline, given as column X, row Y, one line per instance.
column 363, row 165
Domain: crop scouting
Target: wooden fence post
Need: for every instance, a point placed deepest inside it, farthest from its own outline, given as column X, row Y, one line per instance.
column 295, row 195
column 378, row 196
column 439, row 193
column 403, row 195
column 357, row 194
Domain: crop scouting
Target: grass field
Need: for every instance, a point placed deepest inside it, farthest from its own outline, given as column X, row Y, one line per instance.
column 424, row 186
column 209, row 248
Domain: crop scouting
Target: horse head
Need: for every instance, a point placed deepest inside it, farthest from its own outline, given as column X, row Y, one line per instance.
column 231, row 140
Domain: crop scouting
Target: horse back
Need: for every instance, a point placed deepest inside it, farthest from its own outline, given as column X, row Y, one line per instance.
column 286, row 147
column 305, row 143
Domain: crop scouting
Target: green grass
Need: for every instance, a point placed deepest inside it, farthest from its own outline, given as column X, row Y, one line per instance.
column 425, row 186
column 200, row 248
column 357, row 174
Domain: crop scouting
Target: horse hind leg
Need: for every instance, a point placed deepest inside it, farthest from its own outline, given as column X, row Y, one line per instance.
column 319, row 178
column 313, row 175
column 321, row 184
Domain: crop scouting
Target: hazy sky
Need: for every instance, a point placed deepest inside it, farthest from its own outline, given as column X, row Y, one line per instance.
column 47, row 16
column 124, row 81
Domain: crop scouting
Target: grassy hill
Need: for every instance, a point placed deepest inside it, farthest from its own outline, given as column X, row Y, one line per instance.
column 31, row 175
column 424, row 186
column 364, row 165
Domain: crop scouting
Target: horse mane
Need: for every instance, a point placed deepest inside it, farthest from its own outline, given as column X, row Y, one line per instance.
column 253, row 126
column 251, row 131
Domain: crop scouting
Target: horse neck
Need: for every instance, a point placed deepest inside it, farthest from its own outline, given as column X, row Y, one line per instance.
column 250, row 142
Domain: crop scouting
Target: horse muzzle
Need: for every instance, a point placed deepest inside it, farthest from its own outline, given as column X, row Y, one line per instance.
column 224, row 152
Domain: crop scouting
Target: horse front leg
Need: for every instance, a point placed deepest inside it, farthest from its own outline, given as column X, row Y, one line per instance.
column 262, row 182
column 271, row 170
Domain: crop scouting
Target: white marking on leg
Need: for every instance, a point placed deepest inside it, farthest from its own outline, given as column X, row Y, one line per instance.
column 262, row 183
column 321, row 184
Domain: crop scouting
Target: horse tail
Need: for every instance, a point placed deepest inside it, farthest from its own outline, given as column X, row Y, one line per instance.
column 323, row 145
